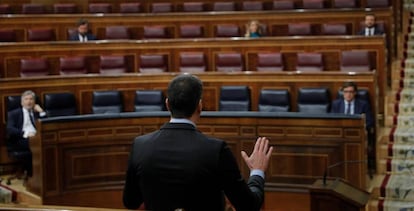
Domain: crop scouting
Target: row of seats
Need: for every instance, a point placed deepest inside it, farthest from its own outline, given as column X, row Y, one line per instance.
column 160, row 7
column 195, row 62
column 232, row 98
column 185, row 31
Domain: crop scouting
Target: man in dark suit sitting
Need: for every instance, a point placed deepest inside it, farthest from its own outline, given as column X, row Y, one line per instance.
column 371, row 28
column 179, row 168
column 21, row 127
column 82, row 33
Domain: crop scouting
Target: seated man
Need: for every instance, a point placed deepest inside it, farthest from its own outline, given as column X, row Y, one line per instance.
column 21, row 126
column 371, row 28
column 83, row 33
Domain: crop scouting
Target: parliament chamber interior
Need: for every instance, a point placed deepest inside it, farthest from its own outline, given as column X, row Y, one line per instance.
column 100, row 94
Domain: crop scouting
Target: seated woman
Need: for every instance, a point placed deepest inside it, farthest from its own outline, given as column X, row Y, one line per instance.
column 253, row 29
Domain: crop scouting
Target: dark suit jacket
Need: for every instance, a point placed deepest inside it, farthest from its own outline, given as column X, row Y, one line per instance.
column 75, row 37
column 179, row 167
column 377, row 31
column 360, row 107
column 15, row 128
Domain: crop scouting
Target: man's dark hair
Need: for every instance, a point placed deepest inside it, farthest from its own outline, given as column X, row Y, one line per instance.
column 350, row 84
column 82, row 22
column 184, row 94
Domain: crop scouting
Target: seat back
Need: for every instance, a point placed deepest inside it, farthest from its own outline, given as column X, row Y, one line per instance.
column 378, row 3
column 193, row 62
column 149, row 100
column 313, row 100
column 299, row 29
column 130, row 7
column 155, row 32
column 7, row 35
column 309, row 62
column 283, row 5
column 274, row 100
column 269, row 62
column 153, row 63
column 191, row 31
column 227, row 30
column 229, row 62
column 33, row 8
column 224, row 6
column 334, row 29
column 355, row 61
column 72, row 65
column 193, row 7
column 113, row 64
column 313, row 4
column 344, row 4
column 160, row 7
column 60, row 104
column 13, row 102
column 117, row 33
column 5, row 9
column 34, row 67
column 41, row 34
column 234, row 98
column 252, row 6
column 106, row 102
column 100, row 8
column 65, row 8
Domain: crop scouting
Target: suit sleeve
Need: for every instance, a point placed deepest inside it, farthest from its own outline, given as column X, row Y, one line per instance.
column 132, row 197
column 243, row 196
column 335, row 107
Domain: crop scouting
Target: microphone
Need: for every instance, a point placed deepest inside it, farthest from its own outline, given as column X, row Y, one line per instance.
column 325, row 173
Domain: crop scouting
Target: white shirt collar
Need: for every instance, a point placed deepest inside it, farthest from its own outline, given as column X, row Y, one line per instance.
column 182, row 120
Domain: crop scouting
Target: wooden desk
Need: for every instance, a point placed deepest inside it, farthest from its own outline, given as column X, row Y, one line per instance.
column 81, row 160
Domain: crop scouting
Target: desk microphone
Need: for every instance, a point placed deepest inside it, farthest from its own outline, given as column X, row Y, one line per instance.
column 325, row 173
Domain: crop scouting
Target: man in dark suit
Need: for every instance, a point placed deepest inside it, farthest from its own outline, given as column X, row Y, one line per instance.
column 179, row 168
column 21, row 127
column 82, row 34
column 371, row 28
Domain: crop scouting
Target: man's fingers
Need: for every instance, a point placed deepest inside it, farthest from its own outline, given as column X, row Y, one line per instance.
column 245, row 156
column 269, row 152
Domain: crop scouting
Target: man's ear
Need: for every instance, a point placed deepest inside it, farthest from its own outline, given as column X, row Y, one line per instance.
column 200, row 106
column 167, row 104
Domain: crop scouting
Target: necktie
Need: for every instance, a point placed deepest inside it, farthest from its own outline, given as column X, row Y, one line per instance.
column 32, row 118
column 348, row 108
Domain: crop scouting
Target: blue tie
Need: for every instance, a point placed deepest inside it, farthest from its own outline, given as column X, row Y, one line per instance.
column 32, row 119
column 348, row 109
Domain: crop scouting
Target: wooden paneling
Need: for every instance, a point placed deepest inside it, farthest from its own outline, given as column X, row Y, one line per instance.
column 296, row 161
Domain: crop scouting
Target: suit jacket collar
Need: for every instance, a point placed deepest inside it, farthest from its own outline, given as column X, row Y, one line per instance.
column 182, row 126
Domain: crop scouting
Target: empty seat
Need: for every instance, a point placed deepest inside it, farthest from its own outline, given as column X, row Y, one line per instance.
column 153, row 63
column 252, row 6
column 191, row 31
column 100, row 8
column 33, row 8
column 313, row 4
column 5, row 9
column 313, row 100
column 7, row 35
column 269, row 62
column 274, row 100
column 283, row 5
column 355, row 61
column 41, row 34
column 155, row 32
column 60, row 104
column 149, row 100
column 117, row 33
column 65, row 8
column 378, row 3
column 299, row 29
column 309, row 62
column 130, row 7
column 227, row 30
column 234, row 98
column 224, row 6
column 161, row 7
column 34, row 67
column 192, row 62
column 113, row 64
column 229, row 62
column 344, row 4
column 193, row 7
column 106, row 102
column 334, row 29
column 72, row 65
